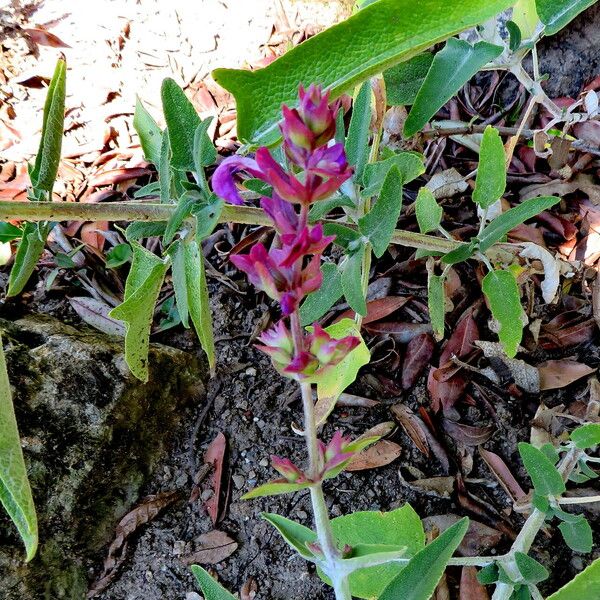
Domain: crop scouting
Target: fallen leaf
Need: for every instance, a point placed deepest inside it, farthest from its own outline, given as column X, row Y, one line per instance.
column 117, row 175
column 413, row 426
column 150, row 508
column 379, row 454
column 502, row 473
column 467, row 434
column 45, row 38
column 560, row 373
column 446, row 184
column 564, row 337
column 378, row 309
column 441, row 487
column 214, row 456
column 542, row 425
column 214, row 547
column 95, row 313
column 551, row 269
column 470, row 588
column 90, row 234
column 402, row 332
column 418, row 354
column 249, row 589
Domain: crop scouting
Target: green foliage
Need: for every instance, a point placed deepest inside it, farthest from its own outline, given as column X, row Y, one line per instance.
column 148, row 131
column 531, row 570
column 515, row 35
column 422, row 574
column 141, row 292
column 525, row 17
column 436, row 302
column 275, row 488
column 451, row 68
column 211, row 588
column 428, row 211
column 295, row 534
column 379, row 223
column 555, row 14
column 118, row 256
column 352, row 281
column 28, row 254
column 577, row 534
column 546, row 479
column 586, row 436
column 584, row 585
column 404, row 81
column 502, row 293
column 373, row 40
column 357, row 142
column 15, row 492
column 9, row 232
column 491, row 172
column 409, row 164
column 320, row 301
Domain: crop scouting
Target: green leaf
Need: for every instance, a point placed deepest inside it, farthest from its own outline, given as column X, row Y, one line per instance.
column 503, row 223
column 555, row 14
column 551, row 452
column 428, row 211
column 577, row 535
column 460, row 254
column 28, row 253
column 150, row 189
column 141, row 292
column 9, row 232
column 337, row 378
column 144, row 229
column 205, row 152
column 191, row 293
column 531, row 570
column 182, row 121
column 118, row 256
column 207, row 216
column 403, row 82
column 211, row 589
column 47, row 159
column 320, row 301
column 451, row 68
column 502, row 292
column 514, row 35
column 420, row 577
column 165, row 176
column 373, row 40
column 540, row 502
column 15, row 492
column 183, row 210
column 488, row 575
column 275, row 488
column 380, row 222
column 296, row 535
column 546, row 479
column 348, row 239
column 586, row 436
column 322, row 208
column 357, row 142
column 410, row 165
column 584, row 585
column 395, row 529
column 352, row 282
column 436, row 301
column 148, row 131
column 525, row 17
column 491, row 172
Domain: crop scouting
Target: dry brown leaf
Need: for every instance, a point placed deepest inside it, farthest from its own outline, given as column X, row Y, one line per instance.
column 418, row 355
column 502, row 473
column 468, row 434
column 413, row 426
column 45, row 38
column 249, row 589
column 214, row 456
column 378, row 309
column 560, row 373
column 437, row 486
column 379, row 454
column 477, row 541
column 470, row 588
column 214, row 547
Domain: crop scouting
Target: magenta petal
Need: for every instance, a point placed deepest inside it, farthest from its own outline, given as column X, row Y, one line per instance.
column 223, row 183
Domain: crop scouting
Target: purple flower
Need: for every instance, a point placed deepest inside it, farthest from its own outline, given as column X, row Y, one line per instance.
column 310, row 240
column 282, row 214
column 223, row 183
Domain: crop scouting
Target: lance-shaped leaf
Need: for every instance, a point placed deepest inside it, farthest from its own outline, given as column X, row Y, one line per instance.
column 320, row 301
column 149, row 133
column 376, row 38
column 451, row 68
column 586, row 436
column 211, row 588
column 352, row 281
column 403, row 82
column 503, row 223
column 165, row 176
column 584, row 585
column 337, row 378
column 205, row 152
column 379, row 223
column 418, row 580
column 491, row 171
column 547, row 481
column 47, row 159
column 555, row 14
column 357, row 142
column 436, row 301
column 28, row 253
column 428, row 211
column 184, row 208
column 141, row 292
column 15, row 493
column 295, row 534
column 410, row 165
column 182, row 121
column 275, row 488
column 525, row 16
column 502, row 292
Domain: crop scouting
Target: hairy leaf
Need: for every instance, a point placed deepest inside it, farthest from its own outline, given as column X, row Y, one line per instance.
column 352, row 282
column 320, row 301
column 577, row 534
column 9, row 232
column 428, row 211
column 409, row 164
column 149, row 133
column 531, row 570
column 275, row 488
column 546, row 479
column 28, row 253
column 555, row 14
column 586, row 436
column 295, row 534
column 584, row 585
column 357, row 142
column 404, row 81
column 210, row 587
column 491, row 172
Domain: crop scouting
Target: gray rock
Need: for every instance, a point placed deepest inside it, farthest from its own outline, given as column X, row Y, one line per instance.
column 91, row 434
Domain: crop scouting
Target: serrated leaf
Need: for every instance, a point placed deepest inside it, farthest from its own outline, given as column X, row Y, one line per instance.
column 420, row 577
column 584, row 585
column 211, row 588
column 428, row 211
column 336, row 379
column 47, row 159
column 275, row 488
column 400, row 528
column 148, row 131
column 410, row 165
column 586, row 436
column 320, row 301
column 182, row 121
column 531, row 570
column 490, row 182
column 507, row 221
column 27, row 256
column 547, row 481
column 577, row 535
column 555, row 14
column 295, row 534
column 141, row 292
column 352, row 282
column 451, row 68
column 403, row 82
column 502, row 292
column 379, row 224
column 15, row 492
column 373, row 40
column 357, row 142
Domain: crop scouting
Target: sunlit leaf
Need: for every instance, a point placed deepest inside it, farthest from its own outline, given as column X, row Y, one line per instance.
column 149, row 133
column 555, row 14
column 586, row 436
column 211, row 588
column 491, row 171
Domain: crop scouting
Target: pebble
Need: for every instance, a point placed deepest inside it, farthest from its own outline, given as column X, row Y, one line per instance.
column 264, row 463
column 302, row 514
column 577, row 563
column 193, row 596
column 251, row 371
column 206, row 494
column 239, row 481
column 149, row 575
column 178, row 547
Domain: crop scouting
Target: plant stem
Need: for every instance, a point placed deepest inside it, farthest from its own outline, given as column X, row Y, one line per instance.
column 581, row 500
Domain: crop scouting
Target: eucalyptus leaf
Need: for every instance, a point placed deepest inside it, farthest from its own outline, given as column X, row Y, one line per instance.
column 546, row 479
column 15, row 492
column 148, row 131
column 490, row 182
column 211, row 588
